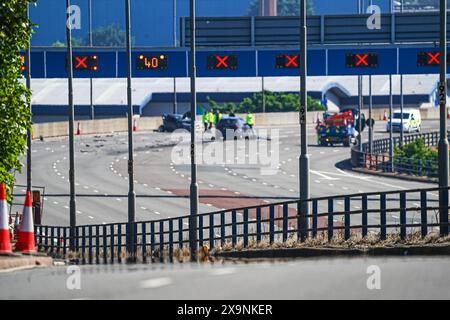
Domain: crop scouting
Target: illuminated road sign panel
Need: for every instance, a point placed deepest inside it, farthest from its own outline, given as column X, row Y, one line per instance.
column 152, row 62
column 429, row 59
column 85, row 63
column 287, row 61
column 222, row 62
column 361, row 60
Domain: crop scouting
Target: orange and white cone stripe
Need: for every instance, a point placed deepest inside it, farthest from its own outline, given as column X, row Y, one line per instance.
column 5, row 241
column 25, row 240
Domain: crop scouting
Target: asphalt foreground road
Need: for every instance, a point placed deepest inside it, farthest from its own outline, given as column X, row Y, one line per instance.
column 340, row 278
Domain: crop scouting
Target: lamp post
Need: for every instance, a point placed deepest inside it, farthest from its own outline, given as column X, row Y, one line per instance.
column 72, row 205
column 443, row 140
column 304, row 156
column 29, row 137
column 194, row 185
column 175, row 102
column 131, row 245
column 91, row 91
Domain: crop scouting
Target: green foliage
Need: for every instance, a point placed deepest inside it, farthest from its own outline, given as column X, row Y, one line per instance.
column 285, row 8
column 15, row 33
column 417, row 157
column 109, row 36
column 275, row 102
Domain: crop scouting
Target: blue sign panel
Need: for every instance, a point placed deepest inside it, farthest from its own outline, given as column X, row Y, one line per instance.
column 284, row 63
column 86, row 64
column 226, row 63
column 342, row 62
column 419, row 60
column 37, row 64
column 154, row 64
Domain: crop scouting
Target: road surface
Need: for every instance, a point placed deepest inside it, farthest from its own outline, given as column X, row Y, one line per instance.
column 162, row 185
column 342, row 278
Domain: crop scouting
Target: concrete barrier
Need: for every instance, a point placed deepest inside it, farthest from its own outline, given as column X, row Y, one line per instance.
column 61, row 129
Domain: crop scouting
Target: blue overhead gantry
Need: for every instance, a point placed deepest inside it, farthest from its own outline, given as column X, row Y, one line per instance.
column 167, row 63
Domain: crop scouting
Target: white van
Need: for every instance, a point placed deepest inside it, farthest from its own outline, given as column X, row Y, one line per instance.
column 412, row 121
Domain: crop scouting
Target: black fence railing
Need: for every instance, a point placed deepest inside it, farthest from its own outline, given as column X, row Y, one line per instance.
column 380, row 214
column 379, row 159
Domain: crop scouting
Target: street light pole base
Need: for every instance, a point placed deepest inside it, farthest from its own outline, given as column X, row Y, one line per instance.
column 193, row 222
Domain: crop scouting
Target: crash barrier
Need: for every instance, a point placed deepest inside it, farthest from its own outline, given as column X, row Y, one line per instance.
column 379, row 213
column 380, row 160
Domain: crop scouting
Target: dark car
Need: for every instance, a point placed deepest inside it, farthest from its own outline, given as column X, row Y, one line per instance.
column 172, row 122
column 235, row 126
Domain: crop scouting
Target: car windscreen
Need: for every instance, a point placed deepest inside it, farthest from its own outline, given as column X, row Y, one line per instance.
column 399, row 116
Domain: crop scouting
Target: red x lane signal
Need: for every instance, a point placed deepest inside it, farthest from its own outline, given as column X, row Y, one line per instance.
column 362, row 60
column 286, row 61
column 433, row 58
column 222, row 62
column 85, row 63
column 292, row 61
column 80, row 62
column 429, row 59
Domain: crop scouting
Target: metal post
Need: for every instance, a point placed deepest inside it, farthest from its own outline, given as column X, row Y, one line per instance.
column 29, row 134
column 402, row 104
column 443, row 140
column 391, row 138
column 304, row 156
column 72, row 205
column 175, row 100
column 263, row 96
column 370, row 116
column 194, row 186
column 360, row 107
column 131, row 248
column 91, row 45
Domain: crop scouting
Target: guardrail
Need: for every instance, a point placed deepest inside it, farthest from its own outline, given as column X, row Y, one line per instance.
column 380, row 213
column 379, row 159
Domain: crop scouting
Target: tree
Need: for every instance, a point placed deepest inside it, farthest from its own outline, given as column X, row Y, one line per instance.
column 275, row 102
column 285, row 8
column 109, row 36
column 15, row 33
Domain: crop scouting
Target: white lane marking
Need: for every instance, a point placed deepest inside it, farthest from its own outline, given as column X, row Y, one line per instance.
column 223, row 271
column 323, row 175
column 155, row 283
column 91, row 217
column 156, row 212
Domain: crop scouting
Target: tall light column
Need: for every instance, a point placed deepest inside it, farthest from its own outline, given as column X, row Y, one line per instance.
column 304, row 156
column 443, row 140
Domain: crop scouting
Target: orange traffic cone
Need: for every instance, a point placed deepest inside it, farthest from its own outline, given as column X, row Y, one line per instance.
column 25, row 240
column 5, row 241
column 385, row 117
column 78, row 129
